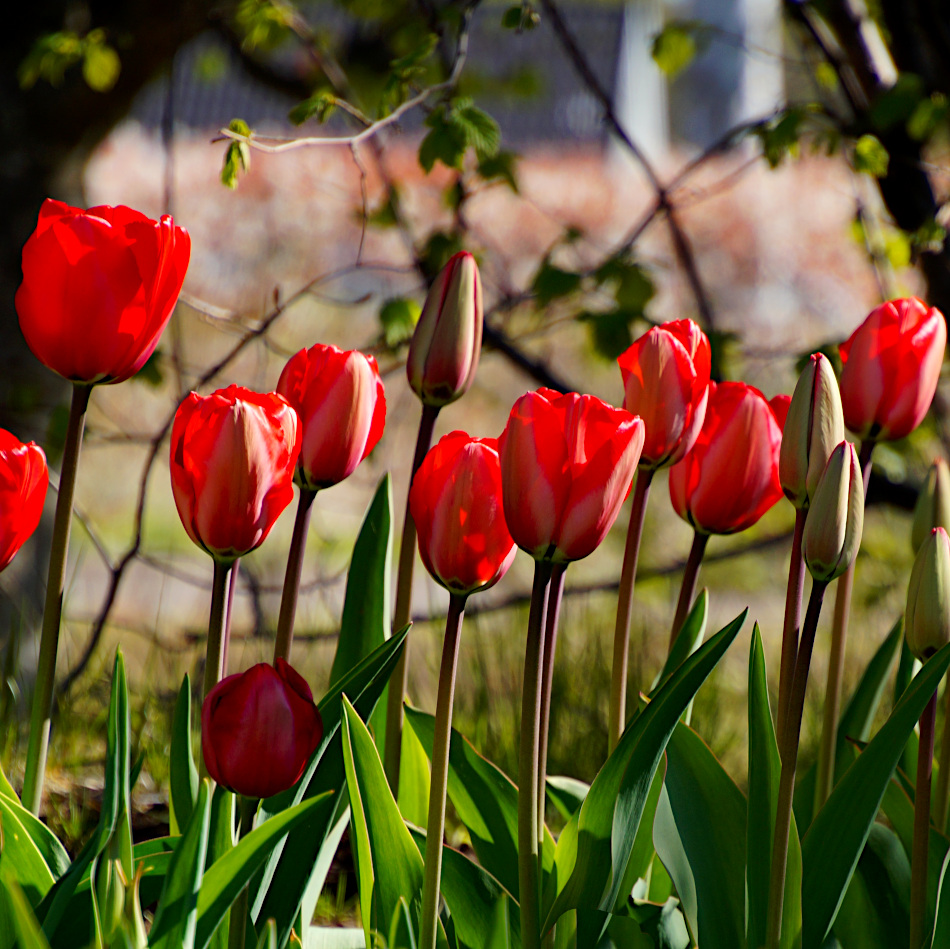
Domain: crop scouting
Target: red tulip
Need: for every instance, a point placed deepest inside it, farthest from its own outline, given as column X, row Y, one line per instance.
column 98, row 289
column 730, row 478
column 891, row 367
column 455, row 502
column 24, row 479
column 447, row 341
column 342, row 407
column 566, row 466
column 259, row 729
column 232, row 466
column 665, row 378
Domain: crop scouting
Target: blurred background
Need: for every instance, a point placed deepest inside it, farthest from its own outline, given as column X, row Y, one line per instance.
column 770, row 169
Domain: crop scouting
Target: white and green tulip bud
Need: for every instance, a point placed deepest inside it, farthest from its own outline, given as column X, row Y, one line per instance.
column 814, row 426
column 447, row 341
column 835, row 517
column 927, row 617
column 933, row 504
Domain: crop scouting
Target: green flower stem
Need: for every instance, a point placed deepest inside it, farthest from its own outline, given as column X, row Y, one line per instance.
column 435, row 829
column 401, row 611
column 218, row 626
column 238, row 915
column 918, row 863
column 528, row 850
column 793, row 621
column 688, row 589
column 827, row 749
column 53, row 610
column 288, row 599
column 943, row 776
column 547, row 676
column 628, row 577
column 788, row 746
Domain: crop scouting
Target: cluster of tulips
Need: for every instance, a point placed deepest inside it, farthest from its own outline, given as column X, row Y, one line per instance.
column 99, row 287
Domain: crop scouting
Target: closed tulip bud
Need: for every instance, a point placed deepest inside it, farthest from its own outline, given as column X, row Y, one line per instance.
column 259, row 729
column 835, row 518
column 933, row 504
column 447, row 341
column 927, row 617
column 455, row 502
column 814, row 426
column 891, row 366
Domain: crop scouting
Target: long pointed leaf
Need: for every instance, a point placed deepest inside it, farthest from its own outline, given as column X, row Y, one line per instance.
column 834, row 841
column 182, row 772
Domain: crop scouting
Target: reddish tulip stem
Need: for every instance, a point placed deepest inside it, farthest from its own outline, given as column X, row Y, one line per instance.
column 228, row 610
column 288, row 599
column 547, row 677
column 918, row 863
column 42, row 712
column 688, row 588
column 528, row 850
column 402, row 608
column 217, row 648
column 793, row 621
column 788, row 747
column 943, row 776
column 628, row 577
column 435, row 828
column 827, row 750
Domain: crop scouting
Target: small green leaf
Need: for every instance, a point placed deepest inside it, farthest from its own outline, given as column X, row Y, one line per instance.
column 320, row 106
column 896, row 104
column 237, row 158
column 870, row 156
column 183, row 774
column 929, row 115
column 398, row 318
column 100, row 66
column 551, row 283
column 499, row 167
column 826, row 76
column 674, row 48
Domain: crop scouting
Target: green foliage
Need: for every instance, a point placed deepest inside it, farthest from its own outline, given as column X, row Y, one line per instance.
column 406, row 71
column 870, row 156
column 183, row 774
column 896, row 104
column 677, row 45
column 54, row 53
column 237, row 159
column 779, row 135
column 262, row 24
column 320, row 106
column 520, row 18
column 499, row 167
column 454, row 127
column 398, row 318
column 551, row 282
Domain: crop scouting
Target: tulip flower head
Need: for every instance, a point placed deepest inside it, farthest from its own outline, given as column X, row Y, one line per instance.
column 447, row 341
column 259, row 729
column 24, row 479
column 666, row 378
column 456, row 504
column 933, row 504
column 567, row 462
column 835, row 519
column 342, row 408
column 814, row 427
column 232, row 463
column 891, row 366
column 927, row 617
column 98, row 289
column 730, row 478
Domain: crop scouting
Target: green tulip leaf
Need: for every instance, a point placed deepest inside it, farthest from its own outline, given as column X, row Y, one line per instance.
column 833, row 844
column 389, row 866
column 476, row 901
column 20, row 858
column 566, row 794
column 221, row 842
column 414, row 778
column 486, row 802
column 18, row 924
column 700, row 835
column 176, row 918
column 942, row 922
column 609, row 818
column 268, row 938
column 366, row 621
column 46, row 842
column 335, row 937
column 688, row 639
column 6, row 788
column 183, row 774
column 227, row 876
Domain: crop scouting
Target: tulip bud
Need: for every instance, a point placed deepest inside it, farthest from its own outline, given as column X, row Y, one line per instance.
column 933, row 504
column 814, row 426
column 927, row 618
column 443, row 354
column 835, row 518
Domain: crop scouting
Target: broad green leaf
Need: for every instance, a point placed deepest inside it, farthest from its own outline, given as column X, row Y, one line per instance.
column 220, row 843
column 486, row 802
column 176, row 916
column 6, row 788
column 700, row 835
column 20, row 858
column 332, row 937
column 268, row 938
column 413, row 779
column 17, row 922
column 942, row 922
column 183, row 774
column 389, row 866
column 874, row 913
column 609, row 819
column 46, row 842
column 765, row 768
column 834, row 841
column 687, row 640
column 566, row 794
column 226, row 877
